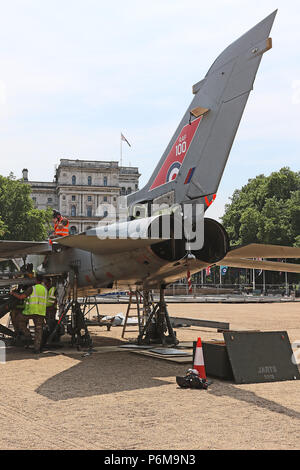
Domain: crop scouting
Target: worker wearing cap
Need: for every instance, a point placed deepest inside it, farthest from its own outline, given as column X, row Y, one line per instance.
column 61, row 225
column 35, row 309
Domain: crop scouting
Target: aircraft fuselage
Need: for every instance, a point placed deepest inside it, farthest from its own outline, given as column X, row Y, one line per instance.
column 129, row 269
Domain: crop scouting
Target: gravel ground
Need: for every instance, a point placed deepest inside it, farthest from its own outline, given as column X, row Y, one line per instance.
column 122, row 400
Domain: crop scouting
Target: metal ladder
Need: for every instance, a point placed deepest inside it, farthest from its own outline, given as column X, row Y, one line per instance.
column 143, row 307
column 9, row 322
column 133, row 305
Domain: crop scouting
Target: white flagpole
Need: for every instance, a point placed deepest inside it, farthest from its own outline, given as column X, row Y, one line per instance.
column 121, row 150
column 286, row 282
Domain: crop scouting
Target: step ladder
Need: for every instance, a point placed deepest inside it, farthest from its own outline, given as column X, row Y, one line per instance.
column 141, row 303
column 134, row 310
column 9, row 322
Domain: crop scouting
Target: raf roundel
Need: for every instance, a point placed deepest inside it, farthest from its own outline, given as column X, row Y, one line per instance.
column 175, row 158
column 173, row 171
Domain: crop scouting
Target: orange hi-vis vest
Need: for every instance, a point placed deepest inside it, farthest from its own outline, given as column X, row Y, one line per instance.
column 61, row 230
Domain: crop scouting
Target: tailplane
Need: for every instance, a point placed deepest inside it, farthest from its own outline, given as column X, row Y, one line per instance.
column 192, row 165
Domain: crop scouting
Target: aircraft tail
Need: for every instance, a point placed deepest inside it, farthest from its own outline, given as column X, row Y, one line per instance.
column 192, row 165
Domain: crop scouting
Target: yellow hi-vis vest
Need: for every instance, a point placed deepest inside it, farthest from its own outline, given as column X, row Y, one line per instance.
column 51, row 297
column 35, row 304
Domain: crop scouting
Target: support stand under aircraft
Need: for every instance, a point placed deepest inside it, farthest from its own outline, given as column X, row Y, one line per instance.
column 157, row 323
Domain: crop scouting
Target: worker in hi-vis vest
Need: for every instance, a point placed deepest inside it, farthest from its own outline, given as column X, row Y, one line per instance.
column 61, row 225
column 35, row 310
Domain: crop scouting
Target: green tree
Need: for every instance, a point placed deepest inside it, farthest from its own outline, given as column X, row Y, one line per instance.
column 2, row 228
column 266, row 210
column 19, row 220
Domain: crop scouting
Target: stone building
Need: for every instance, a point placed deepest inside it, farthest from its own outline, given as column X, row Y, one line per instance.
column 83, row 190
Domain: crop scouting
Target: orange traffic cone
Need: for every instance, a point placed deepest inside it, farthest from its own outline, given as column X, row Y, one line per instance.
column 199, row 360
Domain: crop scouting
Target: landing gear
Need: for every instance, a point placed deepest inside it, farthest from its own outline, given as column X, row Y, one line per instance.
column 72, row 316
column 157, row 323
column 77, row 329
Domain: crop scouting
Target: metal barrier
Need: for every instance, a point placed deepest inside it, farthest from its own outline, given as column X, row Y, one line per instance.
column 237, row 289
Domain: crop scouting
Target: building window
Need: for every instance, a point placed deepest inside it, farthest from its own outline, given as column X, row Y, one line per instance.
column 105, row 214
column 105, row 199
column 73, row 230
column 73, row 180
column 123, row 190
column 89, row 198
column 73, row 198
column 136, row 186
column 89, row 180
column 128, row 190
column 73, row 211
column 34, row 199
column 49, row 200
column 89, row 211
column 105, row 181
column 64, row 198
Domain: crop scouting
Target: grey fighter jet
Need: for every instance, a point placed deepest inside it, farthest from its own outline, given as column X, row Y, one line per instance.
column 188, row 173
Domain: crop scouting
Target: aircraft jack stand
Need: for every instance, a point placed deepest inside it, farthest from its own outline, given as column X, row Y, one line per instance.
column 76, row 327
column 157, row 324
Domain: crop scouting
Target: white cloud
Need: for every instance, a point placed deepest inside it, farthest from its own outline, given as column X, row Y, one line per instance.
column 75, row 73
column 3, row 100
column 2, row 93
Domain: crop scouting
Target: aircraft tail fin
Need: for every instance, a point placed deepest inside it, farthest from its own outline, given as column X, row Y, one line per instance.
column 192, row 165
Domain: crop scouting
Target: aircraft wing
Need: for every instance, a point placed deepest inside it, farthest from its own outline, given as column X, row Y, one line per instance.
column 99, row 246
column 17, row 280
column 17, row 249
column 256, row 250
column 117, row 237
column 241, row 257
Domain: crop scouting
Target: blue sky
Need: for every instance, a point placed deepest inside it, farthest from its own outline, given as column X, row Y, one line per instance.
column 76, row 73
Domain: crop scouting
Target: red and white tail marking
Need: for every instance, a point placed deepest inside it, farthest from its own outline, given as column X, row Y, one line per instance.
column 176, row 156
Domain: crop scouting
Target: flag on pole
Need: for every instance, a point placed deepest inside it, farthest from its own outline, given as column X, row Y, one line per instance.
column 125, row 140
column 207, row 271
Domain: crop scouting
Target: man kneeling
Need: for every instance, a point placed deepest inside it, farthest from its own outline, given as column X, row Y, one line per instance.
column 34, row 309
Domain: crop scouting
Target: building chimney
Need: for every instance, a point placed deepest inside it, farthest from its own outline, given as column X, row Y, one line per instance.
column 25, row 174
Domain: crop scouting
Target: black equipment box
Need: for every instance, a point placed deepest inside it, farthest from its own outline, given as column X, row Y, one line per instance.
column 250, row 357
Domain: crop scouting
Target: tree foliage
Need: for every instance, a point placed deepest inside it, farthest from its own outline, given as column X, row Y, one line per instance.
column 19, row 220
column 266, row 210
